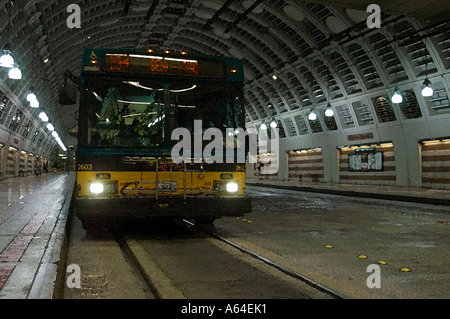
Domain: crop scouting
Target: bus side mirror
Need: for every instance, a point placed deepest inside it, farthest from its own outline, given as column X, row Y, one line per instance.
column 67, row 94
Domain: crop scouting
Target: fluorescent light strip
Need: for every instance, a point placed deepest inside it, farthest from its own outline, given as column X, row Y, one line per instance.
column 131, row 102
column 137, row 84
column 184, row 90
column 161, row 58
column 139, row 114
column 117, row 54
column 182, row 60
column 153, row 57
column 146, row 56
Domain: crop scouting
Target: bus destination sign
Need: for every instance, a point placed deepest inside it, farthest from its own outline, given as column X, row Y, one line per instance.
column 154, row 64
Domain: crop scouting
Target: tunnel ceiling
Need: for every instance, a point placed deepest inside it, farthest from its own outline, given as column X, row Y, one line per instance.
column 321, row 51
column 417, row 9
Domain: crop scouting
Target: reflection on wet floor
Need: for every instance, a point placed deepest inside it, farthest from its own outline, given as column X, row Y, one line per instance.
column 14, row 190
column 33, row 210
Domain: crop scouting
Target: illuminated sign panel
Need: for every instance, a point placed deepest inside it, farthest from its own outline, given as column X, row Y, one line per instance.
column 153, row 64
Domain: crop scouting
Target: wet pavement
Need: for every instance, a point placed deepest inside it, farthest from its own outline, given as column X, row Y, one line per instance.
column 334, row 240
column 33, row 213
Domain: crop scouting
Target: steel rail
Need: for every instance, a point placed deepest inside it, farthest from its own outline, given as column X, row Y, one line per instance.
column 276, row 265
column 139, row 269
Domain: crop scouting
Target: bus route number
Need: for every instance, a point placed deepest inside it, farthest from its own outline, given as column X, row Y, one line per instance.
column 85, row 167
column 119, row 63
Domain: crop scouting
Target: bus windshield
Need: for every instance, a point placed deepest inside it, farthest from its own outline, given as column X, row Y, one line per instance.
column 118, row 113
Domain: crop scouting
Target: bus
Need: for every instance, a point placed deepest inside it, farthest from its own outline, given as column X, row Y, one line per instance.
column 130, row 103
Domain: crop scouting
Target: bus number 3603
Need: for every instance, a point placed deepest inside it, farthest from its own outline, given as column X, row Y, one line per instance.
column 85, row 167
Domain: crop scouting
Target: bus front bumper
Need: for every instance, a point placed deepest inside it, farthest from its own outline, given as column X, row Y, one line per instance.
column 174, row 207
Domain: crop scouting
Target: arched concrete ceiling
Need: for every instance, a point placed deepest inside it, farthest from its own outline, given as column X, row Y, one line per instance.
column 436, row 9
column 322, row 51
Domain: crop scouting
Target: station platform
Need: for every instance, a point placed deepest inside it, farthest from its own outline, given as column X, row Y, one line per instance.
column 33, row 215
column 407, row 194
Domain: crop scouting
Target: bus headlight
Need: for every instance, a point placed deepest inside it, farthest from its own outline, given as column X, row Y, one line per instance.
column 232, row 187
column 96, row 188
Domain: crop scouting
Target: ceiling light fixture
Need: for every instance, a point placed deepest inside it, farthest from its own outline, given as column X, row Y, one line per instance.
column 273, row 124
column 43, row 117
column 427, row 90
column 397, row 97
column 31, row 96
column 6, row 60
column 15, row 73
column 34, row 104
column 263, row 126
column 312, row 115
column 329, row 111
column 50, row 127
column 32, row 99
